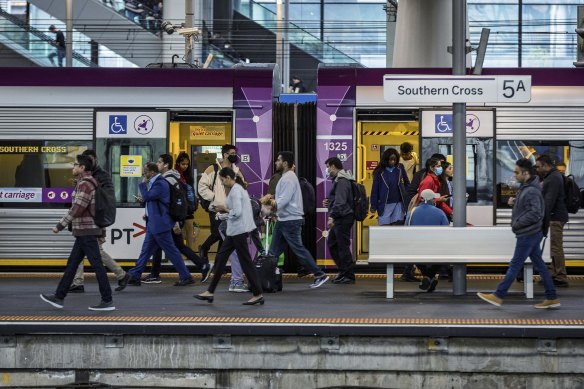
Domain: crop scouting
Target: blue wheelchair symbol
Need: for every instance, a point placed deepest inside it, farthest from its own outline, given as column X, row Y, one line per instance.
column 118, row 124
column 443, row 123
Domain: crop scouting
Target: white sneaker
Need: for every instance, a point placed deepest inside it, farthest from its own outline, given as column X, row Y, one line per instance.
column 238, row 287
column 319, row 281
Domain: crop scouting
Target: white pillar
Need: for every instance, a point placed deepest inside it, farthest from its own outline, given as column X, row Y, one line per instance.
column 174, row 11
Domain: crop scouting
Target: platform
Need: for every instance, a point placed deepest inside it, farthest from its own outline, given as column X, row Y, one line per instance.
column 332, row 310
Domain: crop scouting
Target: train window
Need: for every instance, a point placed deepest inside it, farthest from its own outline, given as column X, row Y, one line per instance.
column 509, row 151
column 38, row 173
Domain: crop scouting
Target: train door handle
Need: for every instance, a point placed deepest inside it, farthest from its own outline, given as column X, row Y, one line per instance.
column 363, row 163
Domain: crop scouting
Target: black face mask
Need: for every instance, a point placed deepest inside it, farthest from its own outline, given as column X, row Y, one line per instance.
column 232, row 158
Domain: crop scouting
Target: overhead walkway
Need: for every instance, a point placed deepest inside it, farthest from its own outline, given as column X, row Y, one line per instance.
column 22, row 43
column 128, row 34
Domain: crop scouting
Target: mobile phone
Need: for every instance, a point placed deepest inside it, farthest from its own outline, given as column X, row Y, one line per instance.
column 137, row 198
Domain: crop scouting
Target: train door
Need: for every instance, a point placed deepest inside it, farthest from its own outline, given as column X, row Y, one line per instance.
column 376, row 132
column 201, row 136
column 124, row 142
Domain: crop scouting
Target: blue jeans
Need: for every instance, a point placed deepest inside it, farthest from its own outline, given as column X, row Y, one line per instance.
column 85, row 246
column 527, row 246
column 60, row 54
column 165, row 242
column 289, row 232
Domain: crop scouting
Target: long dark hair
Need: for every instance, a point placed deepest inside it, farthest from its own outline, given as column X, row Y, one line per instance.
column 188, row 173
column 384, row 161
column 430, row 164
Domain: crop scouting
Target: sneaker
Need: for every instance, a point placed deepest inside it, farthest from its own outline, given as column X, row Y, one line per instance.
column 103, row 306
column 123, row 283
column 425, row 283
column 555, row 303
column 150, row 279
column 433, row 284
column 491, row 298
column 318, row 281
column 343, row 281
column 205, row 271
column 185, row 282
column 53, row 300
column 238, row 287
column 76, row 289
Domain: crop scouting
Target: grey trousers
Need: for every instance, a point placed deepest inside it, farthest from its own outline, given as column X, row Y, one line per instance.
column 108, row 262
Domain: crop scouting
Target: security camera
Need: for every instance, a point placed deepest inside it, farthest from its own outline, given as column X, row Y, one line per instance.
column 167, row 27
column 188, row 31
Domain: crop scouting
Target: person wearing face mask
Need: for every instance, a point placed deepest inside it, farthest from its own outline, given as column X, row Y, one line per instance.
column 211, row 189
column 527, row 223
column 340, row 219
column 388, row 194
column 432, row 182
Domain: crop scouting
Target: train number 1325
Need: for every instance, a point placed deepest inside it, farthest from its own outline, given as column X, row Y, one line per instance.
column 335, row 146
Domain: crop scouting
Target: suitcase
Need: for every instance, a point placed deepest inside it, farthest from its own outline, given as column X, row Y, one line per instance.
column 268, row 271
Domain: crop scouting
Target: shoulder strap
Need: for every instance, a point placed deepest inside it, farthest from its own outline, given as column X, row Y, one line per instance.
column 411, row 216
column 215, row 169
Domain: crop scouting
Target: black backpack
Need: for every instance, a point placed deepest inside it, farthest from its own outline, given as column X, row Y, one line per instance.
column 205, row 203
column 178, row 209
column 572, row 192
column 360, row 201
column 105, row 200
column 308, row 196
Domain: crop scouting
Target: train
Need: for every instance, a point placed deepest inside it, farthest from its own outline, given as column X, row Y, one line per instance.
column 130, row 116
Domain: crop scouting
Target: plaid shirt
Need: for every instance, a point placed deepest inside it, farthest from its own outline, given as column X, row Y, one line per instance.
column 82, row 208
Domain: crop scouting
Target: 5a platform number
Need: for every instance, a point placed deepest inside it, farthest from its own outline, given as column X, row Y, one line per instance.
column 510, row 87
column 514, row 89
column 335, row 146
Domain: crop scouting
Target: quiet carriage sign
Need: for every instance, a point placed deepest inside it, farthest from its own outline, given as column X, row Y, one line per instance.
column 456, row 89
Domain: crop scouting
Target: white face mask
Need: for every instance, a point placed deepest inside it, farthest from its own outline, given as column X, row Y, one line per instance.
column 327, row 172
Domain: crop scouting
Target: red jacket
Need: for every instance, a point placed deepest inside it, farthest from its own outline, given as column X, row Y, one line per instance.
column 432, row 182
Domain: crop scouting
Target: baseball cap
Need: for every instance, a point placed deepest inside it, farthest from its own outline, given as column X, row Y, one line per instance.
column 428, row 194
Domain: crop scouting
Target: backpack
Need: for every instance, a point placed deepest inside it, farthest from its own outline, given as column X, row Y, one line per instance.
column 178, row 207
column 206, row 203
column 105, row 201
column 256, row 209
column 308, row 196
column 360, row 201
column 192, row 201
column 572, row 191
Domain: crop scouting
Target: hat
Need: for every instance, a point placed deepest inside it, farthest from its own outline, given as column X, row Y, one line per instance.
column 428, row 194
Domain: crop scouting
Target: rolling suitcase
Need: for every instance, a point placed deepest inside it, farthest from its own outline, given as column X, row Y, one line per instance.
column 268, row 271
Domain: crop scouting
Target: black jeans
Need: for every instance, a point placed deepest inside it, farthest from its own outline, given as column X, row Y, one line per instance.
column 429, row 271
column 215, row 236
column 180, row 245
column 85, row 246
column 339, row 243
column 239, row 244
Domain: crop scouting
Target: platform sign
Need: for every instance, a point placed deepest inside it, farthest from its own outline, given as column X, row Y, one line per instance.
column 131, row 166
column 418, row 89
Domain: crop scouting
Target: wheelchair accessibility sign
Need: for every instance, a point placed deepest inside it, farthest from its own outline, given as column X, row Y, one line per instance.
column 118, row 124
column 439, row 123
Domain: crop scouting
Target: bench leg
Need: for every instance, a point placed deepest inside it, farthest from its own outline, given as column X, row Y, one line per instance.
column 528, row 280
column 389, row 285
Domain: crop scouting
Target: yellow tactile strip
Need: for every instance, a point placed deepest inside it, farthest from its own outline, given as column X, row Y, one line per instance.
column 322, row 321
column 475, row 277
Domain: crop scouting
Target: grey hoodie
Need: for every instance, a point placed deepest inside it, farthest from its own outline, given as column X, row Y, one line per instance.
column 528, row 210
column 341, row 195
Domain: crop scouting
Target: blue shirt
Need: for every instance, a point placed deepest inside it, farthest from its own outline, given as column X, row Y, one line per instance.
column 426, row 215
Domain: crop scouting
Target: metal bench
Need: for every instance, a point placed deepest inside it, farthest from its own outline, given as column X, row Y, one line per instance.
column 446, row 245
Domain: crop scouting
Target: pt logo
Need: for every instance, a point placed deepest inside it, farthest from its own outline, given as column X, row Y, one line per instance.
column 120, row 233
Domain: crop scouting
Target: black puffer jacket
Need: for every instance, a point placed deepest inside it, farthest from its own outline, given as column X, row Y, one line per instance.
column 527, row 217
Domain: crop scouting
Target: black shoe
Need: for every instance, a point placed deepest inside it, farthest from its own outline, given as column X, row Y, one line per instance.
column 53, row 300
column 123, row 283
column 561, row 283
column 134, row 282
column 259, row 301
column 76, row 289
column 103, row 306
column 151, row 279
column 205, row 271
column 185, row 282
column 208, row 299
column 433, row 284
column 203, row 252
column 425, row 283
column 408, row 277
column 344, row 281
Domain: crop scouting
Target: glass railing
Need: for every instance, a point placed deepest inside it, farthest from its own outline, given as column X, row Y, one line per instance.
column 148, row 18
column 32, row 43
column 220, row 60
column 297, row 36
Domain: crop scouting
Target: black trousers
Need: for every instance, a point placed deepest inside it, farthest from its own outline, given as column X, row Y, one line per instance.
column 182, row 248
column 215, row 236
column 339, row 244
column 429, row 270
column 239, row 244
column 85, row 246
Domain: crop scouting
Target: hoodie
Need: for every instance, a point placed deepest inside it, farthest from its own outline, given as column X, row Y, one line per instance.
column 341, row 195
column 528, row 210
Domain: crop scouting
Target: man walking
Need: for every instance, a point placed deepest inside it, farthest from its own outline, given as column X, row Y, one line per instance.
column 104, row 179
column 86, row 233
column 60, row 46
column 556, row 213
column 527, row 219
column 156, row 194
column 341, row 217
column 164, row 164
column 288, row 203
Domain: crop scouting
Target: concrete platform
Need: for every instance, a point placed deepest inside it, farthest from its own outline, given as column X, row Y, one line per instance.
column 332, row 310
